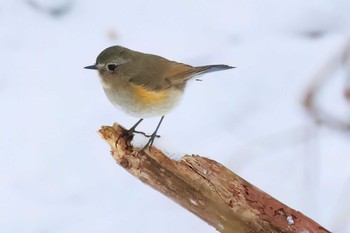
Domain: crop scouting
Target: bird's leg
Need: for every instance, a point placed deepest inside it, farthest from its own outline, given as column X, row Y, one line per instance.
column 129, row 132
column 132, row 129
column 153, row 135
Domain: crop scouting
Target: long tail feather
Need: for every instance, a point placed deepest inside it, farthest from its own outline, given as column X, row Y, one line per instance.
column 212, row 68
column 195, row 71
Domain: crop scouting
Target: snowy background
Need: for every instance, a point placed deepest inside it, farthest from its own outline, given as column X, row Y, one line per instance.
column 57, row 175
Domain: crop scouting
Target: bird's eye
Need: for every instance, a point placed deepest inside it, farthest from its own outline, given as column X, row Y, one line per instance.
column 111, row 67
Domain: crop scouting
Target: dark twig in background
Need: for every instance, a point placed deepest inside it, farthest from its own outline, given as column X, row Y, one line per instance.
column 320, row 116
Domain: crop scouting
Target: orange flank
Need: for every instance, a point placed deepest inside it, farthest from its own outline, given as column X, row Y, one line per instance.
column 148, row 97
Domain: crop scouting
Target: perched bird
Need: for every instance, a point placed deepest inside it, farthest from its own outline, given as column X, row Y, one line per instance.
column 145, row 85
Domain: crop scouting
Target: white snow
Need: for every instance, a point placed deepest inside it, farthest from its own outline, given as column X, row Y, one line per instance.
column 290, row 220
column 57, row 175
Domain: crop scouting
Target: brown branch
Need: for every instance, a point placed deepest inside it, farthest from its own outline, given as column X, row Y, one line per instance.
column 207, row 189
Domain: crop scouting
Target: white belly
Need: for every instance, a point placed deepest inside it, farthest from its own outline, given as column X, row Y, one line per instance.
column 123, row 98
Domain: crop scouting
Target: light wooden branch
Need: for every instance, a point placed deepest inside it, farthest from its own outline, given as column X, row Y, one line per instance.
column 207, row 189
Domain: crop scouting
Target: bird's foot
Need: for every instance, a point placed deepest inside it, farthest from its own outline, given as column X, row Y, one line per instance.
column 127, row 135
column 150, row 141
column 146, row 135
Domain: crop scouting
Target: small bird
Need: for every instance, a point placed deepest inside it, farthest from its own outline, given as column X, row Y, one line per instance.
column 145, row 85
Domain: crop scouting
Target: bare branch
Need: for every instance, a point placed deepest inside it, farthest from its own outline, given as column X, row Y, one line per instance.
column 207, row 189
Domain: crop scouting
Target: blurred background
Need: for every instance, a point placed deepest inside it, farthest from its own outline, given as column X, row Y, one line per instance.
column 280, row 119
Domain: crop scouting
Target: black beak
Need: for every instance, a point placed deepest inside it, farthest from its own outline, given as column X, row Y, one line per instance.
column 92, row 67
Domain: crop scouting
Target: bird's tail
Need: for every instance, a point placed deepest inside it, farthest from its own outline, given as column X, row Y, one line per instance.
column 211, row 68
column 191, row 72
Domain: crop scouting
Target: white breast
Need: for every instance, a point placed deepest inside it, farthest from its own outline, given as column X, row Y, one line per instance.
column 122, row 97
